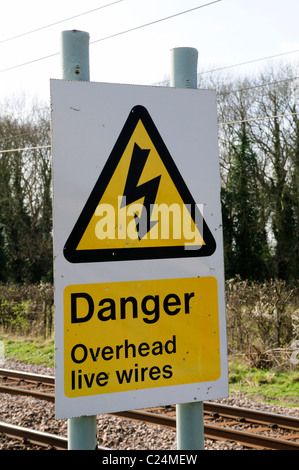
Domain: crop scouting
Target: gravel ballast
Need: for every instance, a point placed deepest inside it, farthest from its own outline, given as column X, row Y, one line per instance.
column 113, row 432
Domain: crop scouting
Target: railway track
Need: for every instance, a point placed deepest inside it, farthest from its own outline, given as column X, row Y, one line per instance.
column 38, row 438
column 253, row 429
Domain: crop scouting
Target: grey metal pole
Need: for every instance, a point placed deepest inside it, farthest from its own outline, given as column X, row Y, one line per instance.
column 183, row 67
column 82, row 431
column 189, row 416
column 190, row 426
column 75, row 55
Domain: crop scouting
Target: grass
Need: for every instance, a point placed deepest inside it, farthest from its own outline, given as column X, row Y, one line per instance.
column 277, row 387
column 34, row 351
column 258, row 384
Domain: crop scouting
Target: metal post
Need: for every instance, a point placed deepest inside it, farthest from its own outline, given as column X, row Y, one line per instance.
column 183, row 67
column 189, row 426
column 189, row 416
column 82, row 431
column 75, row 55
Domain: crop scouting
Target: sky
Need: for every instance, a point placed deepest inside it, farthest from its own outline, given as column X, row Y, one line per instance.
column 225, row 33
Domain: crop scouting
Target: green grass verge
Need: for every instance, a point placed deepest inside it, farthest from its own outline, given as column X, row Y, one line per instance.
column 281, row 388
column 34, row 351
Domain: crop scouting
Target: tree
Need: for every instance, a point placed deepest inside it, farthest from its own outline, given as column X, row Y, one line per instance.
column 244, row 227
column 277, row 167
column 25, row 196
column 266, row 107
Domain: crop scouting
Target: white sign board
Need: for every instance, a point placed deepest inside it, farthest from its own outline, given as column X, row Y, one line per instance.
column 139, row 279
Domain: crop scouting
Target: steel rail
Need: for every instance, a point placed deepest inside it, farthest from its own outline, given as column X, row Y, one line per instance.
column 60, row 442
column 211, row 431
column 254, row 416
column 215, row 432
column 39, row 438
column 243, row 414
column 249, row 439
column 35, row 437
column 29, row 393
column 39, row 378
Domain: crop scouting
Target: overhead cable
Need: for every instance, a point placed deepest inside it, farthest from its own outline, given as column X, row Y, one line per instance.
column 219, row 124
column 26, row 148
column 143, row 26
column 116, row 34
column 29, row 62
column 257, row 119
column 58, row 22
column 242, row 63
column 155, row 21
column 248, row 62
column 239, row 90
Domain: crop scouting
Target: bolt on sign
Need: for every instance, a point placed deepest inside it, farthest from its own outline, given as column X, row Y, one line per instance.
column 138, row 256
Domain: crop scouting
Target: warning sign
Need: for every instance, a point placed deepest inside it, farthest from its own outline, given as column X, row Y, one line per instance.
column 140, row 207
column 139, row 335
column 138, row 255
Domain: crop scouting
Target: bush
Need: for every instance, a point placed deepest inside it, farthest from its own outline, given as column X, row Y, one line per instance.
column 262, row 320
column 27, row 309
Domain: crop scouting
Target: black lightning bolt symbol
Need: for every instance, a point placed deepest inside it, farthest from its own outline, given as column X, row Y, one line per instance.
column 148, row 190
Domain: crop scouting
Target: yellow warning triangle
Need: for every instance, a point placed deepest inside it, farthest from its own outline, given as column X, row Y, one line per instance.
column 140, row 207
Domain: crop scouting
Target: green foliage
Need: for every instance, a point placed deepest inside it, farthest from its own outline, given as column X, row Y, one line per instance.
column 261, row 318
column 259, row 157
column 16, row 317
column 25, row 198
column 269, row 386
column 27, row 309
column 244, row 232
column 34, row 351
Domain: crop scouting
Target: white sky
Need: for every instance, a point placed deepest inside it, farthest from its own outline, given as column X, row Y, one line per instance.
column 224, row 33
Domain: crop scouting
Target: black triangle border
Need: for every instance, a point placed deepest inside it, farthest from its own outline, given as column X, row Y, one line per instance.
column 125, row 254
